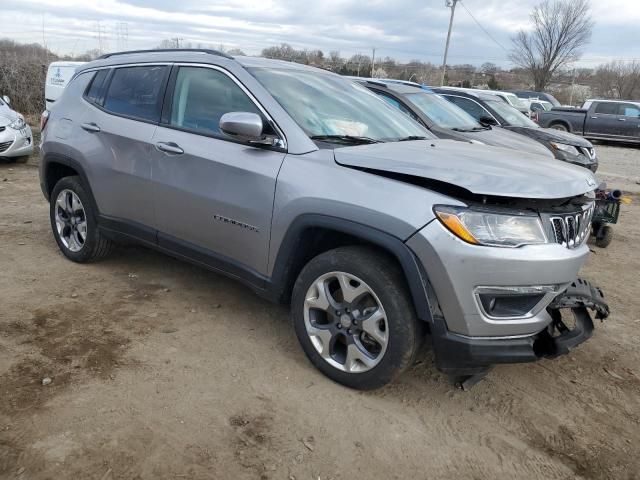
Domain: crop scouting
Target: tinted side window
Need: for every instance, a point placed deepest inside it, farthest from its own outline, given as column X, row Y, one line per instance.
column 136, row 92
column 469, row 106
column 607, row 108
column 96, row 89
column 202, row 96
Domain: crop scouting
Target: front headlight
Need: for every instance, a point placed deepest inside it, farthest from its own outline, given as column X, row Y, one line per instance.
column 570, row 149
column 480, row 227
column 18, row 124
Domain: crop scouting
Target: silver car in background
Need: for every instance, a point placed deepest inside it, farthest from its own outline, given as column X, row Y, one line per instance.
column 16, row 139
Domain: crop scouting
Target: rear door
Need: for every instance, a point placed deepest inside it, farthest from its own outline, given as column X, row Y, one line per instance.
column 602, row 120
column 117, row 132
column 629, row 120
column 213, row 196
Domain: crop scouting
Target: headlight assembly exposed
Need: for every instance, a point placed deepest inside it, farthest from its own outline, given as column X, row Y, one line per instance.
column 480, row 227
column 18, row 124
column 570, row 149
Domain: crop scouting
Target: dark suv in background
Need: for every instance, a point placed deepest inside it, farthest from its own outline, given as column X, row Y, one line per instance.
column 446, row 120
column 490, row 110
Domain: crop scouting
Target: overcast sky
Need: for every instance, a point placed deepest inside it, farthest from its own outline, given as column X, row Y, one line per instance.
column 403, row 29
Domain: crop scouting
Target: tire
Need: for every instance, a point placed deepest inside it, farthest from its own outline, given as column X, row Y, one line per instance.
column 76, row 243
column 336, row 336
column 559, row 126
column 604, row 236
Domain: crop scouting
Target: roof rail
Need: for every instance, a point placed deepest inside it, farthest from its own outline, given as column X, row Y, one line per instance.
column 160, row 50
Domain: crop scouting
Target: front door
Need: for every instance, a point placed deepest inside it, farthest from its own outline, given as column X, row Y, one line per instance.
column 213, row 196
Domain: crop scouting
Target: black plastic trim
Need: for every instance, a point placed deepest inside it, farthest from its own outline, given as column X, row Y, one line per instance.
column 164, row 50
column 50, row 158
column 281, row 275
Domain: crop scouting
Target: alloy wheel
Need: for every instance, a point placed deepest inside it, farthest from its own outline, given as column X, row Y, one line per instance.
column 346, row 322
column 71, row 220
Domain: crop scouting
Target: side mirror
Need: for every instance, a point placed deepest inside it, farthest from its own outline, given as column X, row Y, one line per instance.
column 6, row 99
column 488, row 121
column 244, row 126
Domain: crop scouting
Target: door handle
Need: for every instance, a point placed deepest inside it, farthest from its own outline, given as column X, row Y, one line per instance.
column 169, row 147
column 594, row 117
column 622, row 119
column 90, row 127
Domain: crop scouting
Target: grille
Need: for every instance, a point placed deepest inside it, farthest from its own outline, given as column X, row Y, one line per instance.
column 4, row 146
column 572, row 229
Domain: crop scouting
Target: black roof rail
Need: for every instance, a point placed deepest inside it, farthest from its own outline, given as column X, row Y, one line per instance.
column 160, row 50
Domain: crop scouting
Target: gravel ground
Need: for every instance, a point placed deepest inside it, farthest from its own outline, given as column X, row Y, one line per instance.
column 161, row 370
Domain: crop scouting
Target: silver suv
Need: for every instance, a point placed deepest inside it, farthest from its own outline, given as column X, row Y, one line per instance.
column 313, row 191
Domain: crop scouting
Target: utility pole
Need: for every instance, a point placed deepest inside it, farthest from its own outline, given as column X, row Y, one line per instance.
column 451, row 4
column 573, row 82
column 177, row 41
column 373, row 62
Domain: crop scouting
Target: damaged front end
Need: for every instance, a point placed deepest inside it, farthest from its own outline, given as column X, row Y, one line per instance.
column 560, row 336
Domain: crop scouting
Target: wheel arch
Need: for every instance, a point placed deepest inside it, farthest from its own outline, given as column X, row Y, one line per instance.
column 312, row 234
column 56, row 166
column 564, row 123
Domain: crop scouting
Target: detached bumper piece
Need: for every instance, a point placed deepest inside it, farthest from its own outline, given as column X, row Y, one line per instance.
column 471, row 358
column 558, row 339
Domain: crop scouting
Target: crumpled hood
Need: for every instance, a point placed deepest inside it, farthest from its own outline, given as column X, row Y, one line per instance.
column 480, row 169
column 552, row 135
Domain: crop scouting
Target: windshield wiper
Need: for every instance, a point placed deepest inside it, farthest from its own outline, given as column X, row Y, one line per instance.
column 474, row 129
column 411, row 137
column 345, row 138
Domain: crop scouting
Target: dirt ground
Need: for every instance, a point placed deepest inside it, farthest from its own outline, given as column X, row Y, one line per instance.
column 161, row 370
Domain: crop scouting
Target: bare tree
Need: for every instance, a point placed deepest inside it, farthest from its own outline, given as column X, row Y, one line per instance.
column 618, row 80
column 560, row 29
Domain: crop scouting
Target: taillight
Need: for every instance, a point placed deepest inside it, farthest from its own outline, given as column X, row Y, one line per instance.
column 44, row 118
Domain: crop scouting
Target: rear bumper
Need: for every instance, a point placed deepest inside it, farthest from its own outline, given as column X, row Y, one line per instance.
column 460, row 355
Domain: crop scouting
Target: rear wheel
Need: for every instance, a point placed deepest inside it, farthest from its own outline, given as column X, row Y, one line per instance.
column 74, row 222
column 559, row 126
column 354, row 318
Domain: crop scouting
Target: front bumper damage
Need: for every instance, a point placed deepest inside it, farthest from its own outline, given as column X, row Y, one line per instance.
column 472, row 357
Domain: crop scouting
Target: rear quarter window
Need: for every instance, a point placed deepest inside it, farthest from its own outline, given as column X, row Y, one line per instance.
column 96, row 89
column 136, row 92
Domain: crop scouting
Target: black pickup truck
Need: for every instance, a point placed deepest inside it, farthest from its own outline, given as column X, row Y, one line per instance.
column 615, row 120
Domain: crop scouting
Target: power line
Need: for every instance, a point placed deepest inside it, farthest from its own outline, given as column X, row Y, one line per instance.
column 482, row 28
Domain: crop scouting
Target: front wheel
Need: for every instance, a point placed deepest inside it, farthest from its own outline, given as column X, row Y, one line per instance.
column 354, row 318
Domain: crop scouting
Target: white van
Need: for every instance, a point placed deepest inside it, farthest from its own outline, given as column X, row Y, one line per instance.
column 58, row 75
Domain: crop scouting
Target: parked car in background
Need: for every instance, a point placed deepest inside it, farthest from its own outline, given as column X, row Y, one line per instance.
column 313, row 191
column 536, row 105
column 489, row 110
column 446, row 120
column 511, row 99
column 530, row 95
column 58, row 75
column 615, row 120
column 16, row 139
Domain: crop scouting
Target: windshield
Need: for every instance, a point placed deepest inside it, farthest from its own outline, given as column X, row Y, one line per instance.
column 325, row 104
column 517, row 102
column 512, row 117
column 442, row 112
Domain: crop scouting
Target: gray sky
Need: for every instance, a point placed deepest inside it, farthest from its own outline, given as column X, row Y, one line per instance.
column 403, row 29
